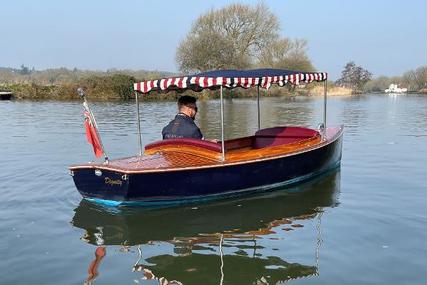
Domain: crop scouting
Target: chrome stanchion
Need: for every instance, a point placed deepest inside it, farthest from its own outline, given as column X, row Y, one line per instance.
column 259, row 116
column 222, row 125
column 138, row 124
column 325, row 89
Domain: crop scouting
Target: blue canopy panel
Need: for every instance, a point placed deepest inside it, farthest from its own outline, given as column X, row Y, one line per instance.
column 230, row 79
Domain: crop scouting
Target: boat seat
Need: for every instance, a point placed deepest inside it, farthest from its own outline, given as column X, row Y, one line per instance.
column 281, row 135
column 204, row 144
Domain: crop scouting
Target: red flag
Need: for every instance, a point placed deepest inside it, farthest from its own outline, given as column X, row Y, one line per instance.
column 92, row 136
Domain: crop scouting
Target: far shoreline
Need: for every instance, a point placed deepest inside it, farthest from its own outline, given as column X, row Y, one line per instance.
column 124, row 92
column 67, row 93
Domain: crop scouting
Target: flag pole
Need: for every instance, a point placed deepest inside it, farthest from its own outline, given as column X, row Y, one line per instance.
column 92, row 118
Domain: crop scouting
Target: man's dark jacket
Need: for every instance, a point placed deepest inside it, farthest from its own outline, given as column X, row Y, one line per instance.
column 181, row 127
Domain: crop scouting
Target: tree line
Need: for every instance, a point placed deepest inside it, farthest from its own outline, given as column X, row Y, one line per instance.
column 415, row 80
column 361, row 80
column 62, row 83
column 56, row 76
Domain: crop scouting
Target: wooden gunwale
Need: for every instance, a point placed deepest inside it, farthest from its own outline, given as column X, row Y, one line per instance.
column 108, row 167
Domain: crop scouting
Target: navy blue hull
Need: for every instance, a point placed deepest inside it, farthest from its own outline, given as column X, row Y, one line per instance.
column 207, row 183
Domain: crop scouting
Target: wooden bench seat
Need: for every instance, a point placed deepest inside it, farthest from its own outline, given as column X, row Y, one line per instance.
column 263, row 139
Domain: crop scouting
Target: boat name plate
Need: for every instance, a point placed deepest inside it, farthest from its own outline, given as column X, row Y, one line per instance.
column 113, row 182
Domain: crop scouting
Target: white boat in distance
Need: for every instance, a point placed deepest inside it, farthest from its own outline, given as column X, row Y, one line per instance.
column 394, row 88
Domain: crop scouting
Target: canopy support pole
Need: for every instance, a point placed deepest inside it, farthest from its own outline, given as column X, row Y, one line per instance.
column 259, row 116
column 222, row 124
column 138, row 123
column 325, row 93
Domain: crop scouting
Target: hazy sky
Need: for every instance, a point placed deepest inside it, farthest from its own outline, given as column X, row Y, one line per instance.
column 388, row 37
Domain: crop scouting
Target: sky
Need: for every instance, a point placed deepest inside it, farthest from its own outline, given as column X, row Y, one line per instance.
column 387, row 37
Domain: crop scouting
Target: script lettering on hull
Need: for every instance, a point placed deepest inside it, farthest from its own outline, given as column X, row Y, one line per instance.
column 113, row 182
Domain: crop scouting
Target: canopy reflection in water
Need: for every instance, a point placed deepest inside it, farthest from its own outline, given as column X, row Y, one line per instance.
column 201, row 235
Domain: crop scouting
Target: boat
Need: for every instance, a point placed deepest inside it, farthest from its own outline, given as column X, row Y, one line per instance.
column 395, row 89
column 5, row 95
column 194, row 234
column 189, row 170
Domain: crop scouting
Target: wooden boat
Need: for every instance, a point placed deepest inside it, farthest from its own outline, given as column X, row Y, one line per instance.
column 184, row 170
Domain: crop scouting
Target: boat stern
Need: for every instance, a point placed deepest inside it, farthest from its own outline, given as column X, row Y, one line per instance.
column 100, row 184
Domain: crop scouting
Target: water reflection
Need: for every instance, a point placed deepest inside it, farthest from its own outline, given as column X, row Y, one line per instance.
column 228, row 242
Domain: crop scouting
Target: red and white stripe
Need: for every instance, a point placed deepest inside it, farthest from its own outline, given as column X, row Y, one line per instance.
column 181, row 83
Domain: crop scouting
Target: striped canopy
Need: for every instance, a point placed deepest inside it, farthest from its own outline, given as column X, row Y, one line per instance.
column 230, row 79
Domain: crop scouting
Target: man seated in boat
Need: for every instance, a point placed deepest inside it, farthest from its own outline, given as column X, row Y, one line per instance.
column 183, row 125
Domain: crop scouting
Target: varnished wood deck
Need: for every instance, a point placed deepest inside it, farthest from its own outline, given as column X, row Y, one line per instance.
column 175, row 157
column 164, row 160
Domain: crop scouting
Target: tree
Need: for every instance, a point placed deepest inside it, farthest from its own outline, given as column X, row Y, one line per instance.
column 287, row 54
column 238, row 37
column 115, row 84
column 207, row 51
column 378, row 84
column 24, row 70
column 230, row 37
column 416, row 79
column 354, row 77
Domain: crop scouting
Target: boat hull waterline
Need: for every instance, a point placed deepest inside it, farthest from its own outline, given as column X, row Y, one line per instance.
column 115, row 187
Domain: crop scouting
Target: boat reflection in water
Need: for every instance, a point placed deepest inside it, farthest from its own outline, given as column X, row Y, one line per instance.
column 216, row 243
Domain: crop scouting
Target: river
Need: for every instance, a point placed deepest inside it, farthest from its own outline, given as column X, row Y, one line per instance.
column 364, row 223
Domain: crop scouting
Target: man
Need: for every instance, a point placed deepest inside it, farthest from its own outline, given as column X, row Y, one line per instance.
column 183, row 125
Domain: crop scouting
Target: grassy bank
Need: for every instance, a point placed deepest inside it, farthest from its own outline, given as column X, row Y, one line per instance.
column 332, row 91
column 119, row 87
column 112, row 87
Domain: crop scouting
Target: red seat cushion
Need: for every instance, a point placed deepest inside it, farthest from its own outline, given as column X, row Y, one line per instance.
column 281, row 135
column 189, row 142
column 287, row 132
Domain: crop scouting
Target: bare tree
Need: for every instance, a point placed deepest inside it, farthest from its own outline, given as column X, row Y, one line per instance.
column 231, row 37
column 416, row 79
column 287, row 54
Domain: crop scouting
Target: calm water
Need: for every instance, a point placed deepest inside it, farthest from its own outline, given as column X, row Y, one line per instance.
column 363, row 224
